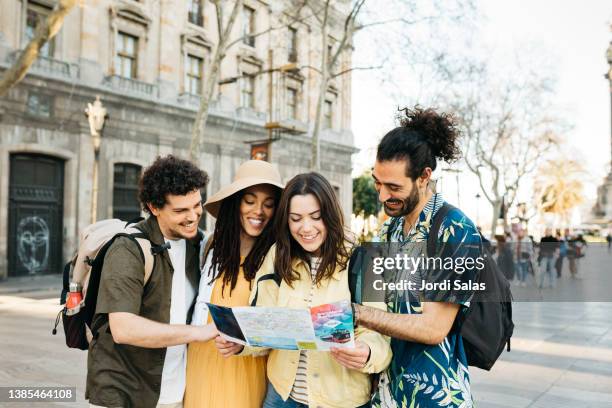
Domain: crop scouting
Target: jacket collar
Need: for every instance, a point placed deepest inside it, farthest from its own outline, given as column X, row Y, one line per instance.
column 302, row 266
column 150, row 227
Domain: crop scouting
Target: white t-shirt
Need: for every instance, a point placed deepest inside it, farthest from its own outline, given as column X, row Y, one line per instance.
column 175, row 363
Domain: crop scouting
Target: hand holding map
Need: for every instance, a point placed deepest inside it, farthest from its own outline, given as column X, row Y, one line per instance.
column 317, row 328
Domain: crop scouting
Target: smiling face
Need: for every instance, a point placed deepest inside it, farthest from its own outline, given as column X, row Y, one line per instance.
column 257, row 207
column 306, row 223
column 179, row 217
column 398, row 192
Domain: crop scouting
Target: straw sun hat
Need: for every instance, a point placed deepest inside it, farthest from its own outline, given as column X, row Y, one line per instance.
column 249, row 174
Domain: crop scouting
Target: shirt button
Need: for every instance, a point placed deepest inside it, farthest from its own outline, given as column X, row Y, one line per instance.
column 316, row 375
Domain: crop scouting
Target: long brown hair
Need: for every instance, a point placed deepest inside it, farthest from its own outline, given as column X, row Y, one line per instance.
column 226, row 242
column 334, row 250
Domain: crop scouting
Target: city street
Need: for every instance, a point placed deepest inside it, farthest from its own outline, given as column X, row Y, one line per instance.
column 561, row 352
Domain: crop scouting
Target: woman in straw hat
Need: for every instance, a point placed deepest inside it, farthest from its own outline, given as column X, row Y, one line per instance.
column 245, row 212
column 311, row 256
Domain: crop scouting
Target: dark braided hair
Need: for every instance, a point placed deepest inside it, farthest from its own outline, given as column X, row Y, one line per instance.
column 226, row 243
column 422, row 137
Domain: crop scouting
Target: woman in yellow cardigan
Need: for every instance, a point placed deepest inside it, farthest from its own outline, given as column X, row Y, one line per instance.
column 311, row 256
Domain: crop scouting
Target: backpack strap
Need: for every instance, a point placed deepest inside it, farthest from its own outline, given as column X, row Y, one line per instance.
column 146, row 250
column 434, row 231
column 355, row 266
column 272, row 276
column 149, row 260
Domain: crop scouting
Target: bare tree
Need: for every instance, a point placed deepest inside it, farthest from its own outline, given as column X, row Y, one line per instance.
column 224, row 31
column 509, row 127
column 389, row 27
column 45, row 30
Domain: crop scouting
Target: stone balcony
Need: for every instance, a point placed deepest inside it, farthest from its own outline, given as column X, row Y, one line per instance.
column 48, row 66
column 189, row 99
column 131, row 87
column 251, row 114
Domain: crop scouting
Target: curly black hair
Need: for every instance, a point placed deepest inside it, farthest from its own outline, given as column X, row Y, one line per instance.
column 422, row 137
column 169, row 175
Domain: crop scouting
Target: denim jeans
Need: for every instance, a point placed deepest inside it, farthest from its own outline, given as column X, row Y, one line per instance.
column 548, row 271
column 523, row 270
column 274, row 400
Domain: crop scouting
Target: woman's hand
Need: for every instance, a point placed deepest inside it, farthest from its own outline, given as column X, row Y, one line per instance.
column 355, row 358
column 227, row 348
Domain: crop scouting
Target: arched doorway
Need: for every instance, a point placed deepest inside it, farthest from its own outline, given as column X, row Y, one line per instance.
column 36, row 193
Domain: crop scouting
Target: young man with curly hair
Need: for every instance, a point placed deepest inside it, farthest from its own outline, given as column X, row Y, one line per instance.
column 429, row 365
column 137, row 356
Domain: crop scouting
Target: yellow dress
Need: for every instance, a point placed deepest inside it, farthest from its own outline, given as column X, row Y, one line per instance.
column 217, row 382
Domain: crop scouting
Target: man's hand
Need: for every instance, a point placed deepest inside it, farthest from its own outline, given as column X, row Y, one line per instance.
column 128, row 328
column 355, row 358
column 227, row 348
column 206, row 332
column 429, row 327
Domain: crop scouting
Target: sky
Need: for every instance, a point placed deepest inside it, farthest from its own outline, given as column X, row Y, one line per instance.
column 572, row 37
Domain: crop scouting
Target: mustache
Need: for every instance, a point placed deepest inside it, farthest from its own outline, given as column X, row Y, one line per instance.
column 394, row 201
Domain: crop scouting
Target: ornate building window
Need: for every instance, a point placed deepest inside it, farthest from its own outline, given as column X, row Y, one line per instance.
column 194, row 14
column 248, row 26
column 126, row 57
column 125, row 191
column 328, row 114
column 35, row 13
column 39, row 105
column 293, row 45
column 292, row 103
column 129, row 38
column 194, row 72
column 247, row 91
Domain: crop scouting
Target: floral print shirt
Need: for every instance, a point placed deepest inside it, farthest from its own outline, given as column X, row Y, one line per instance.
column 421, row 375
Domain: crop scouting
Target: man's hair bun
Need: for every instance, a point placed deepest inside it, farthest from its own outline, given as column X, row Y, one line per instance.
column 438, row 129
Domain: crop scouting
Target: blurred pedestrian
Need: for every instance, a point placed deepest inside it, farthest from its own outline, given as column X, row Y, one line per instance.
column 505, row 260
column 549, row 247
column 562, row 253
column 576, row 250
column 524, row 255
column 609, row 239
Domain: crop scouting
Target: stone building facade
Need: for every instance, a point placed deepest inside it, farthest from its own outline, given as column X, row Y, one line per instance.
column 146, row 60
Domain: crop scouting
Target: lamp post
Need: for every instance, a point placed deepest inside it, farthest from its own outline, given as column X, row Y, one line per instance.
column 96, row 114
column 456, row 171
column 478, row 209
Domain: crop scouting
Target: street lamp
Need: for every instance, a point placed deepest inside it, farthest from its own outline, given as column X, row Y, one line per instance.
column 478, row 209
column 96, row 114
column 456, row 171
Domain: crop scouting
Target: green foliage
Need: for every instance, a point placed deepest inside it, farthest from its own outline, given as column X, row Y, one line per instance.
column 365, row 197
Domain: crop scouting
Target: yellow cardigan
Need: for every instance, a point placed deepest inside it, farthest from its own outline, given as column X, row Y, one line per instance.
column 329, row 384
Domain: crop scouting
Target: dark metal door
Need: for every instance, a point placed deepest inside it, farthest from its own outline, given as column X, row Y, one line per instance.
column 36, row 192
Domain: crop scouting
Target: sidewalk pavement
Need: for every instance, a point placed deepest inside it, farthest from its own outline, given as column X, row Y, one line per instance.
column 34, row 287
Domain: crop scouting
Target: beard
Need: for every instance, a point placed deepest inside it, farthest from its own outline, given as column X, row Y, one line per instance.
column 408, row 204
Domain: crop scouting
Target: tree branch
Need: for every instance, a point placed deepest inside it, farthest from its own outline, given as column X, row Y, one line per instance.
column 295, row 19
column 45, row 30
column 356, row 69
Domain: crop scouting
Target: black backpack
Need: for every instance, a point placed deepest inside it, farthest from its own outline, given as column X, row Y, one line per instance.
column 487, row 325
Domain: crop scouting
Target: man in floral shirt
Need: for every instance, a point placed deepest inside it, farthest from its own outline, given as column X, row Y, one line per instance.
column 429, row 366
